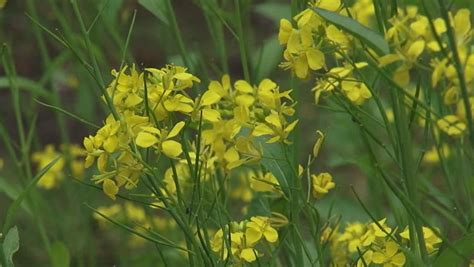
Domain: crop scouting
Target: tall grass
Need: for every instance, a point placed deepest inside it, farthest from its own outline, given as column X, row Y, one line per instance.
column 341, row 136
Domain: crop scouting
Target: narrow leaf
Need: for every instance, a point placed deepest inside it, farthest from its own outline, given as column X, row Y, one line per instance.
column 16, row 204
column 65, row 112
column 133, row 231
column 364, row 34
column 60, row 256
column 157, row 8
column 450, row 257
column 11, row 192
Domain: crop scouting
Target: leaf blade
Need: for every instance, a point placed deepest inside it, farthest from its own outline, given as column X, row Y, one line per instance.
column 450, row 257
column 11, row 244
column 371, row 38
column 16, row 204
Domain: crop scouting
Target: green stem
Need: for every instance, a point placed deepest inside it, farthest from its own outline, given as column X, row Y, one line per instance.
column 459, row 69
column 241, row 40
column 177, row 34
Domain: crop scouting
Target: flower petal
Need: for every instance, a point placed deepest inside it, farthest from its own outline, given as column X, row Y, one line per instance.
column 145, row 139
column 171, row 148
column 110, row 188
column 176, row 129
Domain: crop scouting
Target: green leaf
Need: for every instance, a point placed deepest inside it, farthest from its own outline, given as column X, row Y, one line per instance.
column 157, row 8
column 264, row 60
column 274, row 11
column 275, row 162
column 16, row 204
column 26, row 85
column 65, row 112
column 449, row 257
column 11, row 191
column 129, row 229
column 11, row 244
column 364, row 34
column 60, row 256
column 110, row 9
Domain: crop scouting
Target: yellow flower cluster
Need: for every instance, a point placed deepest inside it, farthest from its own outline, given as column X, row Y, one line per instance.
column 153, row 108
column 313, row 40
column 239, row 240
column 239, row 113
column 57, row 172
column 371, row 243
column 411, row 36
column 145, row 104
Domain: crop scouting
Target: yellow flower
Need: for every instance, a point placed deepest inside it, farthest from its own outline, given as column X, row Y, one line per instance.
column 431, row 239
column 451, row 125
column 409, row 54
column 241, row 248
column 151, row 136
column 126, row 90
column 353, row 234
column 108, row 211
column 286, row 29
column 322, row 183
column 258, row 227
column 309, row 18
column 432, row 156
column 135, row 213
column 221, row 133
column 218, row 244
column 55, row 174
column 366, row 258
column 180, row 103
column 110, row 188
column 363, row 11
column 389, row 255
column 276, row 127
column 356, row 91
column 461, row 110
column 462, row 26
column 265, row 183
column 374, row 233
column 108, row 136
column 337, row 36
column 301, row 54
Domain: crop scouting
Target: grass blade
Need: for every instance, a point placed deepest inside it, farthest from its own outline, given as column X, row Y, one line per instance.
column 68, row 114
column 16, row 204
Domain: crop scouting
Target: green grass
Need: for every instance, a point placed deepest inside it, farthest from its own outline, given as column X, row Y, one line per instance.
column 56, row 60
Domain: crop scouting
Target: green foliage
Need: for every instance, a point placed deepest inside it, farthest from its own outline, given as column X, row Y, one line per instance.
column 60, row 256
column 366, row 35
column 10, row 245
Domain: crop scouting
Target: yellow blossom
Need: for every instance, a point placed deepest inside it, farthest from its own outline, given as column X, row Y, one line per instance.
column 258, row 227
column 389, row 255
column 54, row 175
column 151, row 136
column 322, row 183
column 276, row 127
column 451, row 125
column 431, row 239
column 265, row 183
